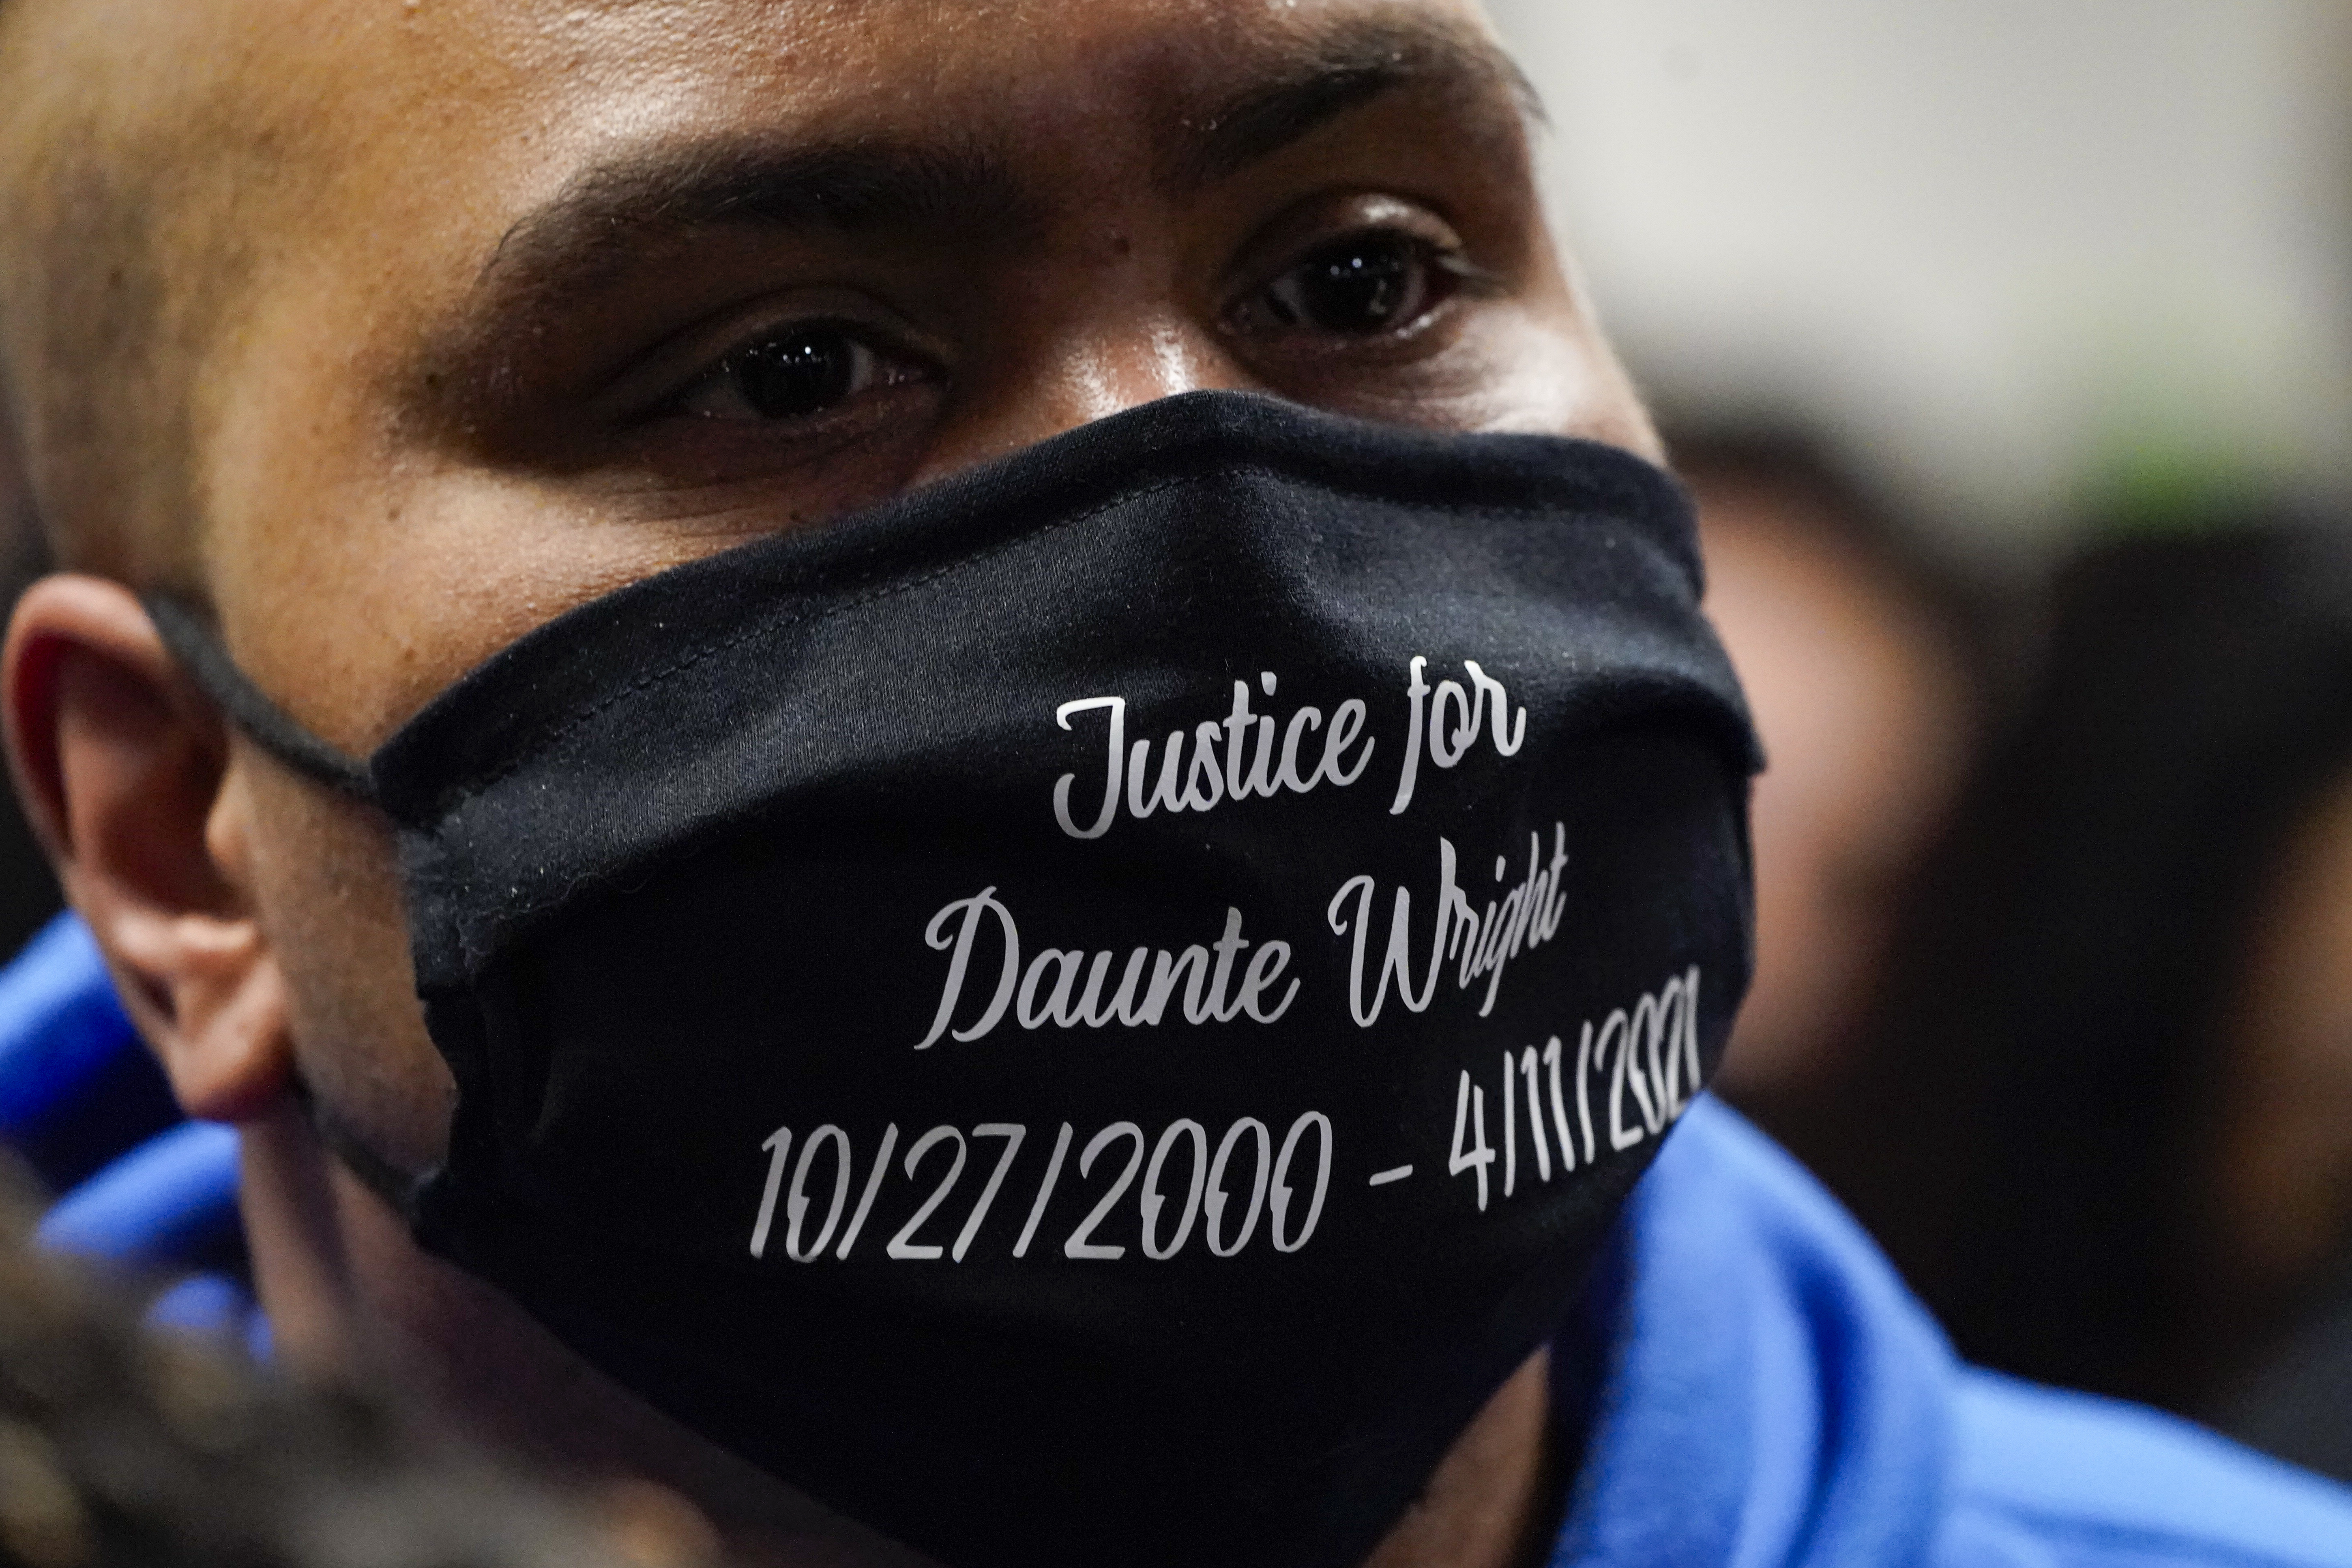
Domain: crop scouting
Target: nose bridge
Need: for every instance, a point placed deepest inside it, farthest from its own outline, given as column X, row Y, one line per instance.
column 1123, row 364
column 1094, row 358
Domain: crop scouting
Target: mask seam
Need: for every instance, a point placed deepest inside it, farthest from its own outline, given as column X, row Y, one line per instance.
column 557, row 730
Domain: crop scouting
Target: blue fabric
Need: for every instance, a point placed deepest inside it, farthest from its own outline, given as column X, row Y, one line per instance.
column 76, row 1088
column 162, row 1192
column 60, row 1025
column 155, row 1203
column 200, row 1304
column 1773, row 1397
column 1776, row 1399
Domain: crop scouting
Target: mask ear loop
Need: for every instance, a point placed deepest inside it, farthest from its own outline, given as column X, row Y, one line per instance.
column 199, row 653
column 207, row 663
column 379, row 1175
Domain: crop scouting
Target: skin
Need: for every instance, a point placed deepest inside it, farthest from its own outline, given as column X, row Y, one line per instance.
column 337, row 316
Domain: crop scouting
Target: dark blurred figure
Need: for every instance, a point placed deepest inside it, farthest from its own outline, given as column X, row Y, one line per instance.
column 1859, row 658
column 28, row 893
column 126, row 1448
column 2293, row 1406
column 2117, row 1038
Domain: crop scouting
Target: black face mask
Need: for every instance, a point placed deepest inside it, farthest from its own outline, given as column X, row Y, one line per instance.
column 1093, row 1013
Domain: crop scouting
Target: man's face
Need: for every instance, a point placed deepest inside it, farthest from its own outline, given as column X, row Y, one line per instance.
column 537, row 299
column 563, row 295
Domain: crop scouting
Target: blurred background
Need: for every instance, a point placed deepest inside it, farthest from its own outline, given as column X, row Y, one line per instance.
column 2013, row 254
column 2006, row 348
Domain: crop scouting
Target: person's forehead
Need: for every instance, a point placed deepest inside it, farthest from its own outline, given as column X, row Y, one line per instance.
column 849, row 46
column 629, row 68
column 361, row 105
column 436, row 139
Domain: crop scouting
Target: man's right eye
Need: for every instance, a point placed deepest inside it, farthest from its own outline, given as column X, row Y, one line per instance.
column 1356, row 285
column 796, row 372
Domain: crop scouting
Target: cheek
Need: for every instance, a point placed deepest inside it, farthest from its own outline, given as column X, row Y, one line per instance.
column 356, row 627
column 1560, row 353
column 327, row 893
column 1522, row 370
column 1550, row 371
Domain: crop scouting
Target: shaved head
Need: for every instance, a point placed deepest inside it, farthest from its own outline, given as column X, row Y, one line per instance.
column 138, row 182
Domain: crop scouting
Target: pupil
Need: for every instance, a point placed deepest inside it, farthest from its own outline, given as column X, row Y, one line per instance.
column 794, row 376
column 1358, row 287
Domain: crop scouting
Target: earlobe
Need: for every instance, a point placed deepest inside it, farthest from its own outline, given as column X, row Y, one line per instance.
column 123, row 768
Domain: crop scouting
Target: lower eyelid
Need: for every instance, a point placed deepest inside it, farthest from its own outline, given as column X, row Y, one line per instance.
column 879, row 367
column 705, row 452
column 1456, row 282
column 896, row 361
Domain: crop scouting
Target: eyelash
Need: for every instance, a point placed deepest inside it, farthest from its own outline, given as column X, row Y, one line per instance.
column 766, row 354
column 1259, row 313
column 1446, row 271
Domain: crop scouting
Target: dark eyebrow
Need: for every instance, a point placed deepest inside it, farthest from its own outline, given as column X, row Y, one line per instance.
column 603, row 218
column 652, row 202
column 608, row 213
column 1347, row 67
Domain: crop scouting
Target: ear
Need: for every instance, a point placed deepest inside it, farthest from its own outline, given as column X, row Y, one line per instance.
column 123, row 767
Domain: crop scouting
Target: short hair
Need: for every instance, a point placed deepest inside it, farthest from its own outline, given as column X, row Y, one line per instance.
column 117, row 268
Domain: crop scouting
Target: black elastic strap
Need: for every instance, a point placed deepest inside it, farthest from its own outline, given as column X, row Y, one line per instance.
column 268, row 726
column 378, row 1174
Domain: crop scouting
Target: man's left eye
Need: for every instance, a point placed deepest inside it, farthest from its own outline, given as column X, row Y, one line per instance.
column 1360, row 286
